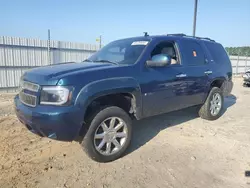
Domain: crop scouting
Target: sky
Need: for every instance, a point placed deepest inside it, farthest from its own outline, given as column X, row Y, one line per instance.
column 226, row 21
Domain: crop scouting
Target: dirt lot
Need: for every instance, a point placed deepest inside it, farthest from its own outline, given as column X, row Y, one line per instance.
column 174, row 150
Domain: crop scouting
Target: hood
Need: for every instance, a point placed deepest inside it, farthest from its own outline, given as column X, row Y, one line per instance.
column 49, row 75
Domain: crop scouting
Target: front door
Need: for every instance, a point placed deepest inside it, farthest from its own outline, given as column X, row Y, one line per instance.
column 164, row 89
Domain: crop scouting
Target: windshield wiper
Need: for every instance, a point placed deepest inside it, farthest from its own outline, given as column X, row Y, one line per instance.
column 106, row 61
column 87, row 60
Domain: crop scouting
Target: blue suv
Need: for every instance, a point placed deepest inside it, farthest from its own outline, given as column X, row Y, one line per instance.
column 94, row 101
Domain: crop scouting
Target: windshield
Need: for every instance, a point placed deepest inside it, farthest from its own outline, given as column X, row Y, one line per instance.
column 125, row 51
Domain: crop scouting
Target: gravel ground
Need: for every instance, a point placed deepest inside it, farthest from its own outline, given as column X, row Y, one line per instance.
column 173, row 150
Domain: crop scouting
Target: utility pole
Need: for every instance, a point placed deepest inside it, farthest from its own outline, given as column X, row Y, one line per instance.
column 49, row 56
column 100, row 41
column 195, row 15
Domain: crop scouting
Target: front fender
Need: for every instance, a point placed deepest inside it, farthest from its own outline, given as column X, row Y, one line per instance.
column 108, row 86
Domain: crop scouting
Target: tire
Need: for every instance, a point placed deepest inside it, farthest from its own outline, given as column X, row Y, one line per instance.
column 91, row 140
column 205, row 112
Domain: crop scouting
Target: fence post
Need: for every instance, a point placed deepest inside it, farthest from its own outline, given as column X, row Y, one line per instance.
column 14, row 75
column 5, row 62
column 48, row 44
column 237, row 65
column 246, row 64
column 59, row 53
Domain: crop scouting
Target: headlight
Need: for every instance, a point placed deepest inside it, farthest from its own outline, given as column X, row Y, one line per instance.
column 55, row 95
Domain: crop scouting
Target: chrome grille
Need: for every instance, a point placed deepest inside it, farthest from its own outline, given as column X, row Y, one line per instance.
column 29, row 100
column 25, row 98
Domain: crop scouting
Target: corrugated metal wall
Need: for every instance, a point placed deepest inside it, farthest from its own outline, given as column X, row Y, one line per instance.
column 240, row 64
column 19, row 54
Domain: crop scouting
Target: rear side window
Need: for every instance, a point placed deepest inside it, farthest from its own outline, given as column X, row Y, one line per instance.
column 217, row 52
column 193, row 53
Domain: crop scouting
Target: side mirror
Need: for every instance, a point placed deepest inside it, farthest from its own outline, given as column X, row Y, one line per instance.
column 159, row 60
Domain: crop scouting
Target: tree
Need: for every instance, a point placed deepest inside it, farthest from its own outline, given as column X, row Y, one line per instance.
column 241, row 51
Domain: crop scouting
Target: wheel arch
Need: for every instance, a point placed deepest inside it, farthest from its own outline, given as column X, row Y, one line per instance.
column 215, row 82
column 122, row 92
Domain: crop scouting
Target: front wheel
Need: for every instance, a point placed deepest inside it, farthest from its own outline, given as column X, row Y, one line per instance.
column 109, row 134
column 212, row 108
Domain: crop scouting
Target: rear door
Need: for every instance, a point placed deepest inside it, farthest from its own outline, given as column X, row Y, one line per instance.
column 197, row 70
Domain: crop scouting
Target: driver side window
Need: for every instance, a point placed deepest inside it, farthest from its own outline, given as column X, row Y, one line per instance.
column 167, row 48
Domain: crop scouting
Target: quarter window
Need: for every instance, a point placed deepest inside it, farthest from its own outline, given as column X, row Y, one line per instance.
column 218, row 53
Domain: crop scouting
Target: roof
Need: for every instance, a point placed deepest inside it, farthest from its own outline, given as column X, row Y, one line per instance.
column 173, row 36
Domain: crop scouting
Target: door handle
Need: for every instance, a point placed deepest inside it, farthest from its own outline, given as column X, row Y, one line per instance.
column 208, row 72
column 181, row 75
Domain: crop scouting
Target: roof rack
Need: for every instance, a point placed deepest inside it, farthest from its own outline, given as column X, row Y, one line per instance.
column 205, row 38
column 183, row 35
column 177, row 34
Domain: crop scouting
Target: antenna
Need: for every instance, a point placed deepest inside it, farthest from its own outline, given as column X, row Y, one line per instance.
column 145, row 34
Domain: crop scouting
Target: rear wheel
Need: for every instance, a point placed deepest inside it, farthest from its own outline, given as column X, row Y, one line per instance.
column 212, row 108
column 109, row 134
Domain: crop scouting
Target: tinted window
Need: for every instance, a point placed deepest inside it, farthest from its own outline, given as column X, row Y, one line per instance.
column 217, row 52
column 193, row 53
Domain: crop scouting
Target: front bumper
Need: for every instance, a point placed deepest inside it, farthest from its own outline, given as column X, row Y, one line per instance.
column 56, row 122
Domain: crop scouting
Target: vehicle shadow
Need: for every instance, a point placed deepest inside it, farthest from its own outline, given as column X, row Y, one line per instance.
column 146, row 129
column 228, row 102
